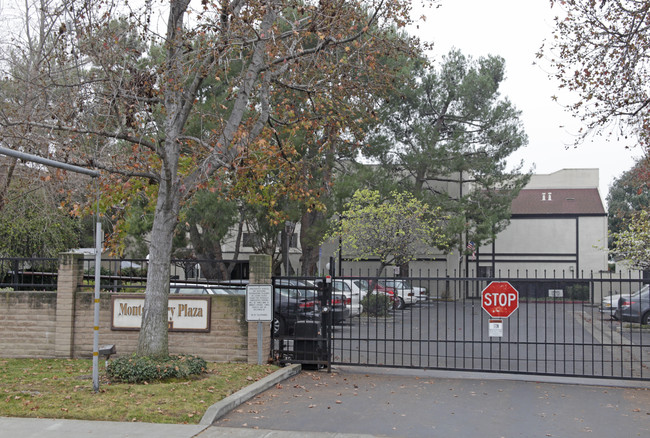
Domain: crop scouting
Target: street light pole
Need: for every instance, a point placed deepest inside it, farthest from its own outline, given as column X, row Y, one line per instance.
column 98, row 243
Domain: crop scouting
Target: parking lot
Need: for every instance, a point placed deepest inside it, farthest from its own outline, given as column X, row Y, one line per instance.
column 568, row 339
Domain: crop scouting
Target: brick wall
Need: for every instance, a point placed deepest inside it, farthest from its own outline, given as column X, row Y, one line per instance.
column 61, row 324
column 227, row 340
column 27, row 324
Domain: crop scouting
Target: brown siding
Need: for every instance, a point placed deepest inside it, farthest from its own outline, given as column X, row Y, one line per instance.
column 558, row 201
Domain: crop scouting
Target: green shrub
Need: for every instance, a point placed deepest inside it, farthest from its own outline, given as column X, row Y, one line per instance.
column 133, row 272
column 134, row 369
column 375, row 304
column 578, row 292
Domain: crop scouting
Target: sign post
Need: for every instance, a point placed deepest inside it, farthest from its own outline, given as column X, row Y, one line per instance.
column 259, row 307
column 500, row 300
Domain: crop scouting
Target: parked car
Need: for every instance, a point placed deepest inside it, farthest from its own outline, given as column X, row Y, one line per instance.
column 293, row 300
column 352, row 293
column 421, row 292
column 405, row 287
column 635, row 307
column 609, row 304
column 404, row 294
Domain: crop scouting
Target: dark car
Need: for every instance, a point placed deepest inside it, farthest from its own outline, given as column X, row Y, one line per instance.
column 339, row 305
column 635, row 307
column 293, row 300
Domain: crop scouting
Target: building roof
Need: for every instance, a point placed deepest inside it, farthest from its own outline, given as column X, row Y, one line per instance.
column 558, row 202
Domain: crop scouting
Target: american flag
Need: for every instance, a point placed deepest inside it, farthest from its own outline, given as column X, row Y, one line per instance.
column 472, row 247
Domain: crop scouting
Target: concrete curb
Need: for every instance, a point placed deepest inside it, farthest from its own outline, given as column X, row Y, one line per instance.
column 224, row 406
column 477, row 375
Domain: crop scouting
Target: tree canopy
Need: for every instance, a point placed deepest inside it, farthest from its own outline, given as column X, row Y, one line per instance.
column 628, row 195
column 445, row 136
column 601, row 51
column 121, row 92
column 632, row 242
column 33, row 224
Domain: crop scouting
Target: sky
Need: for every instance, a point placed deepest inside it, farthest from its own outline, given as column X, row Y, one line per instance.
column 515, row 30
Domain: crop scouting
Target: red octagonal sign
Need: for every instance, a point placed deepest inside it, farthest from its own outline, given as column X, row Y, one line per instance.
column 499, row 299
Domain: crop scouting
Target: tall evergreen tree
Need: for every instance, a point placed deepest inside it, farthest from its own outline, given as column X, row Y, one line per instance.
column 446, row 136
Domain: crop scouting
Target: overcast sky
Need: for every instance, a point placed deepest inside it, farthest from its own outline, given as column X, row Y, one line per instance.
column 515, row 30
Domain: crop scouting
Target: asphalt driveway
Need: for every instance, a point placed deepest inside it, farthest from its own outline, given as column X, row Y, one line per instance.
column 417, row 403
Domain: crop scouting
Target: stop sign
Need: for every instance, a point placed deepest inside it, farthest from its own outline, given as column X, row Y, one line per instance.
column 499, row 299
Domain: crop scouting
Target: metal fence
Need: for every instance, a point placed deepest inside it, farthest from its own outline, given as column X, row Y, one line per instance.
column 434, row 320
column 28, row 273
column 117, row 275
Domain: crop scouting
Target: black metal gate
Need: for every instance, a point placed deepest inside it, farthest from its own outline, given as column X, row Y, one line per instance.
column 438, row 323
column 557, row 329
column 302, row 319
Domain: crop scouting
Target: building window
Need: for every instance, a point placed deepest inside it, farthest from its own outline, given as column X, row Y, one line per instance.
column 250, row 240
column 485, row 271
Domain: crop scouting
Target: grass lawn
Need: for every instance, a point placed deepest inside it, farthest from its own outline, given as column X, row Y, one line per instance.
column 63, row 388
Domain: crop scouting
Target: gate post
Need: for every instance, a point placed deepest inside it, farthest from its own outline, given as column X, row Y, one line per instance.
column 260, row 266
column 69, row 278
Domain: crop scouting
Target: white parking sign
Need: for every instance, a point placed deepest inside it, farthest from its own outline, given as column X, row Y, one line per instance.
column 259, row 303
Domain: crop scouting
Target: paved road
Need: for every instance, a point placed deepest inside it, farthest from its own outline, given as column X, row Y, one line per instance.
column 412, row 403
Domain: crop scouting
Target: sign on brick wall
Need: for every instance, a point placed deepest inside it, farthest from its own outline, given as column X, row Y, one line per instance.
column 185, row 314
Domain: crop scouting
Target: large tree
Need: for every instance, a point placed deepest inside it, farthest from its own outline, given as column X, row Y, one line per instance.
column 26, row 44
column 33, row 224
column 628, row 195
column 601, row 51
column 447, row 133
column 130, row 110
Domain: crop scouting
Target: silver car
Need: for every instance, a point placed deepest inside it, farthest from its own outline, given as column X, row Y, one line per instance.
column 635, row 307
column 609, row 304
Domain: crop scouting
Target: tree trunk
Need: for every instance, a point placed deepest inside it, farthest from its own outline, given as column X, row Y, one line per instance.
column 240, row 232
column 404, row 269
column 210, row 256
column 7, row 182
column 153, row 339
column 310, row 250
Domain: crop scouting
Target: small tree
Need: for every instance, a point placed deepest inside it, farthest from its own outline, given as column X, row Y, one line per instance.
column 393, row 229
column 633, row 241
column 33, row 225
